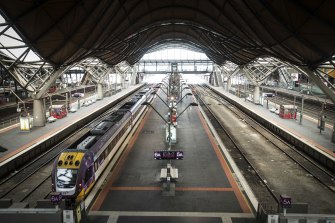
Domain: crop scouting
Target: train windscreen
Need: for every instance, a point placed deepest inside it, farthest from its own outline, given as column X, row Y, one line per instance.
column 66, row 178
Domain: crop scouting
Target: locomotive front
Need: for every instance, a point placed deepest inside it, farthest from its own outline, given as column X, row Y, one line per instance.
column 69, row 172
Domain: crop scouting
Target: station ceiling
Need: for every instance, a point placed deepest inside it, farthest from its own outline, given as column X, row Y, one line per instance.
column 301, row 32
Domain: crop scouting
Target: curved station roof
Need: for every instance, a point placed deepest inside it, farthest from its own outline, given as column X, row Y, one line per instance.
column 301, row 32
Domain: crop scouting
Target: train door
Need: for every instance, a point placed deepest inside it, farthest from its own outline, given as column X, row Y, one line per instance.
column 89, row 178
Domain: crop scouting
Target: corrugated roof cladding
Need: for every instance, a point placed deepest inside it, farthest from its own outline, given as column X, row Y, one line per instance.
column 66, row 31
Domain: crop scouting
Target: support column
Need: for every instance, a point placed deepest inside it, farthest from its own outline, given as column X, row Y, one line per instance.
column 220, row 81
column 211, row 79
column 319, row 82
column 217, row 76
column 100, row 91
column 256, row 95
column 134, row 76
column 333, row 134
column 228, row 84
column 39, row 113
column 123, row 81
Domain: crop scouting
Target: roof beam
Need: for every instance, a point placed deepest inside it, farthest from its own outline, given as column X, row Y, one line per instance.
column 319, row 81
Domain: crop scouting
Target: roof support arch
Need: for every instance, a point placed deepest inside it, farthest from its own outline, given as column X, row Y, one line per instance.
column 320, row 81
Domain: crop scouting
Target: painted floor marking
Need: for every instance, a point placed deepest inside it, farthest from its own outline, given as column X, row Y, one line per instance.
column 242, row 201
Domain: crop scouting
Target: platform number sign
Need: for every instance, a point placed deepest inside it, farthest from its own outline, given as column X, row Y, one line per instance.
column 168, row 155
column 285, row 201
column 56, row 198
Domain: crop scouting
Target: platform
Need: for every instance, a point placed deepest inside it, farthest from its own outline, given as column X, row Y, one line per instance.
column 205, row 190
column 307, row 129
column 16, row 141
column 297, row 94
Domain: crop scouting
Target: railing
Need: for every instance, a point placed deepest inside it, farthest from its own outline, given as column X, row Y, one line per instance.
column 9, row 122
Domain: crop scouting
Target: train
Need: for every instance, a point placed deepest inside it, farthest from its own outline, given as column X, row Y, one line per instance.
column 76, row 169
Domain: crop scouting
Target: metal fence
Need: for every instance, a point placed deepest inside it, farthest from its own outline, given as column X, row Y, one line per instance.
column 9, row 122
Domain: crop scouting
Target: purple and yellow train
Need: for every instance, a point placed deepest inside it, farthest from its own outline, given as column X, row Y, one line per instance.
column 76, row 169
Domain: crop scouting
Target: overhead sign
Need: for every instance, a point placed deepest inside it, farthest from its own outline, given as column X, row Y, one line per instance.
column 168, row 155
column 295, row 76
column 56, row 198
column 285, row 201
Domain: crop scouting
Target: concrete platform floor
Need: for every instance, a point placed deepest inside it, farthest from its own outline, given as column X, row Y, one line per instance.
column 205, row 185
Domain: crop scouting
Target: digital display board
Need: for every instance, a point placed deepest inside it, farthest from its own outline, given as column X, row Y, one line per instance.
column 168, row 155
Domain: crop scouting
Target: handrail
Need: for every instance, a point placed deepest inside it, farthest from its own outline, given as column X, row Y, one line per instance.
column 9, row 122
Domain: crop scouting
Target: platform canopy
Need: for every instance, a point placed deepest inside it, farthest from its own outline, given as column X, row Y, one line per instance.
column 63, row 32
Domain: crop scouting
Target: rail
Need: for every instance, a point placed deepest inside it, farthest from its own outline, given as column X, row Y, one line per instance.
column 30, row 181
column 319, row 173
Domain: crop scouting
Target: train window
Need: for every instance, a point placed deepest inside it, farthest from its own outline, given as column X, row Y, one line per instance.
column 89, row 174
column 101, row 158
column 66, row 178
column 96, row 166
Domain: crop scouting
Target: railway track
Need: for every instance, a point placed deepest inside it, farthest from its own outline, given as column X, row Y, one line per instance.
column 29, row 179
column 33, row 181
column 265, row 191
column 256, row 181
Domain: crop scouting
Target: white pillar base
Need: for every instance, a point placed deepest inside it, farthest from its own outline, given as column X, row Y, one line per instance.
column 39, row 114
column 256, row 95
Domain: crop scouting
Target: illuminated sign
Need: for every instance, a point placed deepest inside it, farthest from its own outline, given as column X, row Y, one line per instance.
column 285, row 201
column 168, row 155
column 56, row 198
column 294, row 76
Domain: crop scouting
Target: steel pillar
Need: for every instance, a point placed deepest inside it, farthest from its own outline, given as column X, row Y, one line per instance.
column 228, row 83
column 134, row 75
column 123, row 80
column 39, row 113
column 319, row 83
column 100, row 91
column 49, row 83
column 256, row 94
column 218, row 77
column 333, row 134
